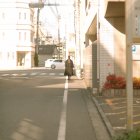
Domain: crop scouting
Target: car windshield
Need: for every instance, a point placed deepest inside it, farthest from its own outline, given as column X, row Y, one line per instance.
column 57, row 60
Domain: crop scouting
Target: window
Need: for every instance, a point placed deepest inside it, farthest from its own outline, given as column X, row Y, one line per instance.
column 86, row 4
column 3, row 15
column 19, row 15
column 24, row 36
column 24, row 15
column 13, row 55
column 8, row 55
column 0, row 55
column 31, row 18
column 3, row 35
column 31, row 36
column 19, row 35
column 58, row 61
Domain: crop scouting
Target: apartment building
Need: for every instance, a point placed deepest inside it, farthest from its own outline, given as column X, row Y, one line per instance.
column 105, row 42
column 16, row 34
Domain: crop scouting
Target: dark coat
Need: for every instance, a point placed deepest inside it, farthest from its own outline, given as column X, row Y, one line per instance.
column 69, row 68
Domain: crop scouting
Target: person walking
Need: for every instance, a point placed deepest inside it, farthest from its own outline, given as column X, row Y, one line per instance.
column 69, row 68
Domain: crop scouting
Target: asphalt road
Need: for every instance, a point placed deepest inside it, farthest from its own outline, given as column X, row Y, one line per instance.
column 42, row 105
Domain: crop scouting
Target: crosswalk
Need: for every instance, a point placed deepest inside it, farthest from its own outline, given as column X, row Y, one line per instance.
column 32, row 74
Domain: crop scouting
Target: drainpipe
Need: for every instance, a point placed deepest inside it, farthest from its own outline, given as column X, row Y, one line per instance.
column 98, row 47
column 77, row 38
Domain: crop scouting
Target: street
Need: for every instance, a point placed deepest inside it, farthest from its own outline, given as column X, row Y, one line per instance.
column 43, row 105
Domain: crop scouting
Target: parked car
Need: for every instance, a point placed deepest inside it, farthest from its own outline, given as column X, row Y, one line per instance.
column 55, row 64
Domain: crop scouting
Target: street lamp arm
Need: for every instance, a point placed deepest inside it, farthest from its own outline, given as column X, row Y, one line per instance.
column 41, row 4
column 36, row 5
column 57, row 4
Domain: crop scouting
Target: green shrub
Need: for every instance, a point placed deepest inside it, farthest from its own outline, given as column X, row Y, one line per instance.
column 36, row 60
column 132, row 135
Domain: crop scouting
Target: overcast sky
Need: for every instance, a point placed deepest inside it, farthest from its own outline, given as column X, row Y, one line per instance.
column 49, row 17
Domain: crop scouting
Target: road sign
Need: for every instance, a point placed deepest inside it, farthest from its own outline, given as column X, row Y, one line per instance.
column 133, row 48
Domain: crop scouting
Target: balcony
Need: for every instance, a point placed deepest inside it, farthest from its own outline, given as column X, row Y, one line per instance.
column 115, row 8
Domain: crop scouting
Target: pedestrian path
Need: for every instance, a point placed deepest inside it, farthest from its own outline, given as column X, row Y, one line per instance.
column 100, row 129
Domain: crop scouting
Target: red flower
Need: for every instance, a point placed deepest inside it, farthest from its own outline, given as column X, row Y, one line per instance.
column 114, row 82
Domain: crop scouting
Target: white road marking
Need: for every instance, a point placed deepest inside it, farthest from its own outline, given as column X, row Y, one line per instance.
column 23, row 74
column 137, row 102
column 5, row 74
column 52, row 74
column 42, row 73
column 61, row 74
column 34, row 73
column 31, row 74
column 14, row 74
column 62, row 125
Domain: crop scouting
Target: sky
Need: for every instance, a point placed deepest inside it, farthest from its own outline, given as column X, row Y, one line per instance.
column 49, row 17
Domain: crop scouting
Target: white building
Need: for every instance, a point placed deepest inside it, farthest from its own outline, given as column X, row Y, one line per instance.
column 16, row 34
column 103, row 33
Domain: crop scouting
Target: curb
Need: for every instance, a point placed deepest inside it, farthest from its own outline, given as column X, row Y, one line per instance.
column 102, row 114
column 105, row 119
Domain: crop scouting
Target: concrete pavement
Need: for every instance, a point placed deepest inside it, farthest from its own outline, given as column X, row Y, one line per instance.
column 113, row 110
column 100, row 129
column 24, row 104
column 107, row 113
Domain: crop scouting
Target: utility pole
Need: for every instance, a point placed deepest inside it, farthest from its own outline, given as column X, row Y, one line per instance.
column 38, row 6
column 58, row 26
column 37, row 40
column 58, row 18
column 77, row 38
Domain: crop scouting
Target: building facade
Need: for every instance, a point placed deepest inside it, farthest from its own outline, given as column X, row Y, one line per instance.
column 16, row 34
column 105, row 42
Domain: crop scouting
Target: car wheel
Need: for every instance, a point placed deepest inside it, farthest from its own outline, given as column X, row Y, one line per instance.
column 53, row 66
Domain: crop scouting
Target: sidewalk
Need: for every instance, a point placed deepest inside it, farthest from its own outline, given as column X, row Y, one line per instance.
column 98, row 125
column 114, row 110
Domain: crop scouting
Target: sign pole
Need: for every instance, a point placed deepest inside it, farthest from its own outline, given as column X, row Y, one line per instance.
column 132, row 24
column 129, row 71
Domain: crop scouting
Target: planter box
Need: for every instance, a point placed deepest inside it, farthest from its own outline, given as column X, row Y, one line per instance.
column 119, row 92
column 136, row 92
column 114, row 92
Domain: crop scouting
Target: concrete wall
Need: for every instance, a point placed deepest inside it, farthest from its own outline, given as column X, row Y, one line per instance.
column 88, row 66
column 110, row 56
column 112, row 45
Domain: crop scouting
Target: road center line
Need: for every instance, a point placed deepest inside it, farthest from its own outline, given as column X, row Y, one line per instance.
column 62, row 125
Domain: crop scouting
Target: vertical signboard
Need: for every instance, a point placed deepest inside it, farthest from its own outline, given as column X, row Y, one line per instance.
column 136, row 19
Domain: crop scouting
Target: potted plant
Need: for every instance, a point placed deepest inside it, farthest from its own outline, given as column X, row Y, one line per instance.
column 114, row 84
